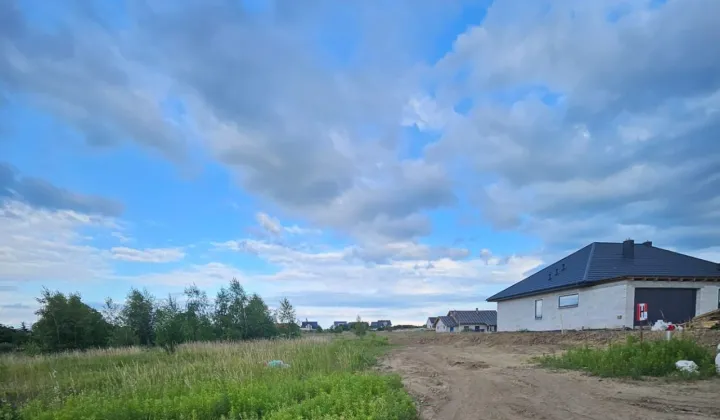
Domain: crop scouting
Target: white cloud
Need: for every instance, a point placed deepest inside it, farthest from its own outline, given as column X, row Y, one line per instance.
column 273, row 226
column 42, row 244
column 270, row 224
column 149, row 255
column 121, row 237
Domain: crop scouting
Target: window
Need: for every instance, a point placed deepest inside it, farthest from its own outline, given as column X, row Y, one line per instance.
column 568, row 301
column 538, row 309
column 466, row 328
column 477, row 328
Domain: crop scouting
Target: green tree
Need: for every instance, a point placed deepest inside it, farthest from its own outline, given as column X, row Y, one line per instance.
column 198, row 323
column 360, row 328
column 169, row 325
column 12, row 339
column 230, row 317
column 286, row 319
column 260, row 322
column 66, row 323
column 138, row 316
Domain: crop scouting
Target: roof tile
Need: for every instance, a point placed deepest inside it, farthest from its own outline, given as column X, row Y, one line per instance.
column 604, row 260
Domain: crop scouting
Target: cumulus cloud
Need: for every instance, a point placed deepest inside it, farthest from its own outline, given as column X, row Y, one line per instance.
column 612, row 123
column 79, row 73
column 42, row 244
column 255, row 96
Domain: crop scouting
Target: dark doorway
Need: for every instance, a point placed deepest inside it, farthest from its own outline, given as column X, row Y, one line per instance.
column 671, row 305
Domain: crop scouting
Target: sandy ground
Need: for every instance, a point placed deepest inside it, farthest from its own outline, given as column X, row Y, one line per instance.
column 480, row 378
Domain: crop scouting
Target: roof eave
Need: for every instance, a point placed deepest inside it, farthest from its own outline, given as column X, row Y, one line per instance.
column 591, row 283
column 577, row 285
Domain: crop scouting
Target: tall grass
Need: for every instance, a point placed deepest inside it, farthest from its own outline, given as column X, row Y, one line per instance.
column 634, row 359
column 208, row 381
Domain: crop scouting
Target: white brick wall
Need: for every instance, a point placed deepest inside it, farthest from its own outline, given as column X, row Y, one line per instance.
column 609, row 305
column 442, row 328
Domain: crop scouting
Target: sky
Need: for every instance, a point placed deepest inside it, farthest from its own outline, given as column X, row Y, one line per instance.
column 389, row 159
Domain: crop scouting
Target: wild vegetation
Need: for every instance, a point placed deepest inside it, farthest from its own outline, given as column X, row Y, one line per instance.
column 67, row 323
column 635, row 359
column 221, row 380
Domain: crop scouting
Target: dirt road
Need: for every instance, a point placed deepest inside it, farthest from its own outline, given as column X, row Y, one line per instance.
column 480, row 381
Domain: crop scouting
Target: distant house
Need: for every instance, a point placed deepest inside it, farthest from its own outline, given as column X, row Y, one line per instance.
column 381, row 324
column 466, row 321
column 339, row 323
column 309, row 326
column 431, row 322
column 602, row 285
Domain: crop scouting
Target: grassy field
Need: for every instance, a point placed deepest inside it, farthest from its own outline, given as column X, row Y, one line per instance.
column 635, row 359
column 327, row 379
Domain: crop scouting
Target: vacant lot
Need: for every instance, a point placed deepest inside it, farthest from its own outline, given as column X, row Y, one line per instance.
column 489, row 376
column 325, row 380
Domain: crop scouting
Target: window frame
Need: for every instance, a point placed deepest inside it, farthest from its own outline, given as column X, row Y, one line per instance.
column 575, row 305
column 536, row 309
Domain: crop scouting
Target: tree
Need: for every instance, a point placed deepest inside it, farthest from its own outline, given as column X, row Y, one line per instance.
column 66, row 323
column 260, row 322
column 12, row 339
column 360, row 327
column 169, row 323
column 286, row 318
column 138, row 315
column 198, row 324
column 120, row 334
column 230, row 317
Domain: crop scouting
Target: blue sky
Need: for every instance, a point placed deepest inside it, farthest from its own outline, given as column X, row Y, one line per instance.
column 391, row 161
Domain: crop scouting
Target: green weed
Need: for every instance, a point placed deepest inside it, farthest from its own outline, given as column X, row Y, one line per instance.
column 208, row 381
column 634, row 359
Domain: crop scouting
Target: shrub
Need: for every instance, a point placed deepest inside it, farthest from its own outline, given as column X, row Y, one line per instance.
column 634, row 359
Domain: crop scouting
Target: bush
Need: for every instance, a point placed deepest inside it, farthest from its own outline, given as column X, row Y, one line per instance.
column 634, row 359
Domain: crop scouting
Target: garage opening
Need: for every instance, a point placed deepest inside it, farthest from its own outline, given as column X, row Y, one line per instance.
column 671, row 305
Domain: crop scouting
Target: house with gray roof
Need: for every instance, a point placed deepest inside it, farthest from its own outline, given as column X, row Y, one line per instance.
column 430, row 323
column 467, row 321
column 309, row 326
column 611, row 285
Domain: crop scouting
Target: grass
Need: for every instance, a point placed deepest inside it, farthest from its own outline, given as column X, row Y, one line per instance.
column 327, row 379
column 634, row 359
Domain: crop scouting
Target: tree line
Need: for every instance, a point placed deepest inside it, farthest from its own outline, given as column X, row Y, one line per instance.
column 66, row 323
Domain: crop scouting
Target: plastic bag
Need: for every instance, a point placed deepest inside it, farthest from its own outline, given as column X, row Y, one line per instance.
column 686, row 366
column 277, row 363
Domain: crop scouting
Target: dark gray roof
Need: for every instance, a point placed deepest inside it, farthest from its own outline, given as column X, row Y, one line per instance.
column 432, row 319
column 312, row 324
column 448, row 321
column 474, row 317
column 336, row 323
column 604, row 260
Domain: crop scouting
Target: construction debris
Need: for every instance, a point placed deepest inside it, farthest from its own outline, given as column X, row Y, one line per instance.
column 708, row 320
column 687, row 366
